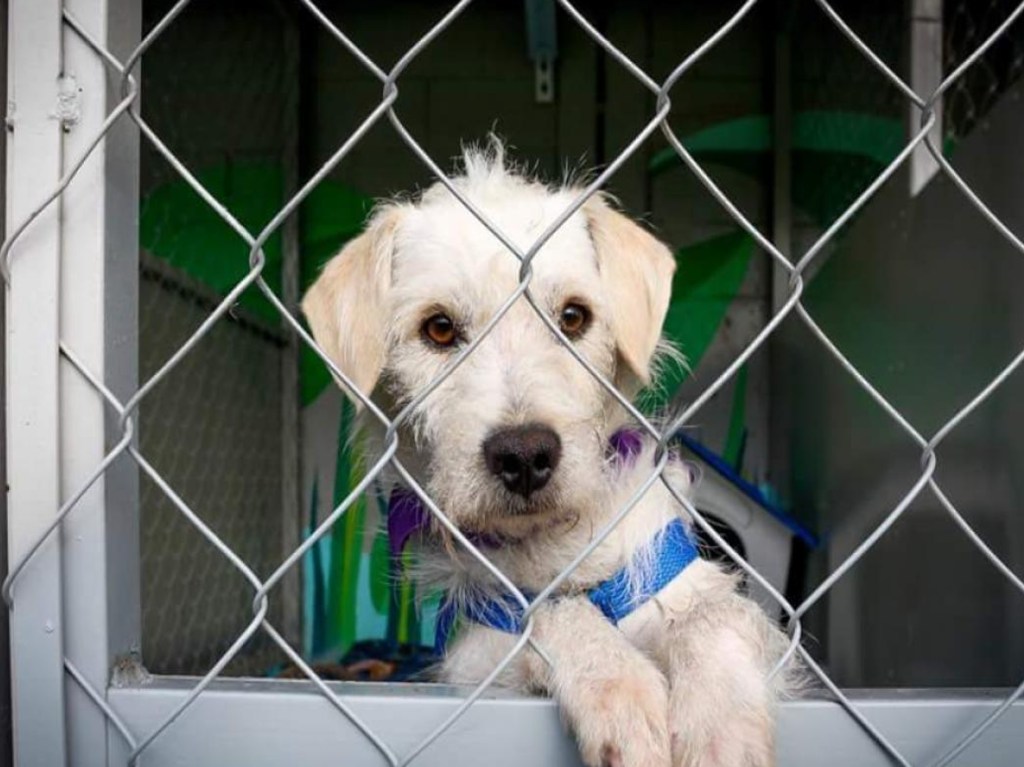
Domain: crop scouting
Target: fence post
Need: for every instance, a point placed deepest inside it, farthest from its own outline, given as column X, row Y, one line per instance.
column 33, row 470
column 291, row 420
column 99, row 323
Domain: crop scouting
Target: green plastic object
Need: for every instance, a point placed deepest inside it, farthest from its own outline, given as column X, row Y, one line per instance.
column 836, row 153
column 708, row 277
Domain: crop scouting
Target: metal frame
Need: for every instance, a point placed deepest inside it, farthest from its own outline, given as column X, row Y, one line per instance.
column 34, row 163
column 80, row 694
column 245, row 722
column 75, row 251
column 99, row 257
column 6, row 712
column 291, row 503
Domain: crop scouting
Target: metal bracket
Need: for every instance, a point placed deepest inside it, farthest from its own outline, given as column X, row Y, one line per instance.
column 542, row 43
column 69, row 102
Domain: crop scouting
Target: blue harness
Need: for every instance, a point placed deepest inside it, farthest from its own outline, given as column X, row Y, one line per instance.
column 672, row 551
column 616, row 597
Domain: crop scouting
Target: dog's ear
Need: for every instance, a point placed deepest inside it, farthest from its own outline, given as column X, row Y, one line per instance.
column 636, row 270
column 345, row 306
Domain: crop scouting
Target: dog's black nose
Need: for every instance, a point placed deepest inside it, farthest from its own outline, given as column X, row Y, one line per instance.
column 524, row 457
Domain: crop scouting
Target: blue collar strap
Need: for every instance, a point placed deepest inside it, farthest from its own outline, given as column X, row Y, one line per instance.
column 616, row 597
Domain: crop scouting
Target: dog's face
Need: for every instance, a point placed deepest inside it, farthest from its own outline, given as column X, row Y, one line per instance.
column 515, row 436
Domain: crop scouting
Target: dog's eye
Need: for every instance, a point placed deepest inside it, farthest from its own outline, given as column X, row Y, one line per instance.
column 440, row 330
column 574, row 320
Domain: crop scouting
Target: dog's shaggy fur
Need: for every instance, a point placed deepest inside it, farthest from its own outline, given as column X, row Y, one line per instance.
column 683, row 680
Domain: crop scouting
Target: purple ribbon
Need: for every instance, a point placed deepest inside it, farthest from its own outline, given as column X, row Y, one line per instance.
column 626, row 445
column 407, row 515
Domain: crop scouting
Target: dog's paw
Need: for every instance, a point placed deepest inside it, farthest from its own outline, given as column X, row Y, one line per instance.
column 742, row 736
column 624, row 723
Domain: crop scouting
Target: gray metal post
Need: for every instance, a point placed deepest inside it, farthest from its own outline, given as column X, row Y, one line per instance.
column 33, row 454
column 926, row 51
column 99, row 259
column 782, row 162
column 291, row 502
column 780, row 415
column 6, row 755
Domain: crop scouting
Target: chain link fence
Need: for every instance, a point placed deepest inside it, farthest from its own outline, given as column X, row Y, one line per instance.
column 966, row 25
column 166, row 382
column 216, row 428
column 221, row 450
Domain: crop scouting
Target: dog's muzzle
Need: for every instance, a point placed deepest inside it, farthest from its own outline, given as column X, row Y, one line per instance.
column 523, row 457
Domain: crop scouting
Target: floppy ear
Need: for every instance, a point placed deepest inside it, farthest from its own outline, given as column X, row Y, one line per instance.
column 345, row 306
column 636, row 270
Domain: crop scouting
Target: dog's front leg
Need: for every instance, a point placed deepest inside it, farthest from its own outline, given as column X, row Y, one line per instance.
column 613, row 696
column 721, row 703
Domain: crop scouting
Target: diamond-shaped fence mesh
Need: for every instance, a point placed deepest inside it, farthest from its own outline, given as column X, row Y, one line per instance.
column 966, row 25
column 176, row 375
column 225, row 459
column 228, row 446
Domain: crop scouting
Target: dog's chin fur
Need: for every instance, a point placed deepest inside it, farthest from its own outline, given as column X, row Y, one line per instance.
column 532, row 550
column 627, row 690
column 517, row 520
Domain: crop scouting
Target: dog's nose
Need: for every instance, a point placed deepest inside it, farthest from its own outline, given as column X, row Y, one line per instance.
column 524, row 457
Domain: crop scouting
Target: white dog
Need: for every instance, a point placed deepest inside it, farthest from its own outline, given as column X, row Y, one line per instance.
column 671, row 665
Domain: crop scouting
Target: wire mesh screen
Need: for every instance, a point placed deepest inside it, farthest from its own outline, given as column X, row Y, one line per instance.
column 222, row 451
column 222, row 493
column 966, row 24
column 215, row 427
column 849, row 122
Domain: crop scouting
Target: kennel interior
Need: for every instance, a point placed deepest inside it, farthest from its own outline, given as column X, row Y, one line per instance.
column 917, row 291
column 805, row 470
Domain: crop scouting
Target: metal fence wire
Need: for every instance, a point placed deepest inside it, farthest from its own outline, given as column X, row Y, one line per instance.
column 217, row 429
column 795, row 265
column 235, row 479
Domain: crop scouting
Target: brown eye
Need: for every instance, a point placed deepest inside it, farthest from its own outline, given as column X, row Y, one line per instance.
column 439, row 329
column 575, row 319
